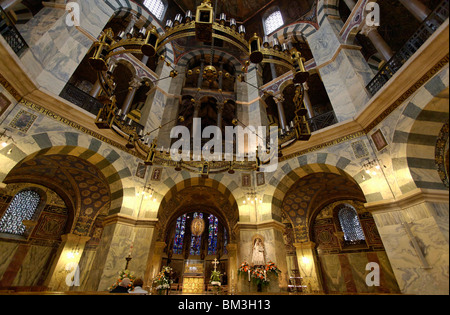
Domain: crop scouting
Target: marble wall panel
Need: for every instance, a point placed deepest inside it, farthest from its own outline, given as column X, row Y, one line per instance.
column 33, row 266
column 7, row 251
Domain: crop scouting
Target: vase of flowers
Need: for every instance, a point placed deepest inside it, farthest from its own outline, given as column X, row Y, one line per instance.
column 162, row 280
column 215, row 280
column 272, row 268
column 259, row 276
column 245, row 269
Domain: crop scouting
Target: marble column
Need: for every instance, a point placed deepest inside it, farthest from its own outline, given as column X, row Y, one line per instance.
column 145, row 59
column 200, row 76
column 95, row 91
column 307, row 102
column 379, row 43
column 417, row 8
column 220, row 107
column 154, row 262
column 221, row 76
column 308, row 267
column 351, row 4
column 281, row 114
column 134, row 85
column 63, row 272
column 232, row 268
column 8, row 5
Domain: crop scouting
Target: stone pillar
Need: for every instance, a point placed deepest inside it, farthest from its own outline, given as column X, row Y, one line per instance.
column 221, row 76
column 95, row 91
column 307, row 264
column 154, row 262
column 381, row 46
column 281, row 114
column 351, row 4
column 134, row 85
column 64, row 271
column 220, row 107
column 8, row 5
column 271, row 233
column 232, row 268
column 200, row 76
column 417, row 8
column 145, row 59
column 307, row 102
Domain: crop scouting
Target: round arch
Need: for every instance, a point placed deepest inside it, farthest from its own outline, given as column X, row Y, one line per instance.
column 107, row 159
column 78, row 182
column 417, row 131
column 194, row 193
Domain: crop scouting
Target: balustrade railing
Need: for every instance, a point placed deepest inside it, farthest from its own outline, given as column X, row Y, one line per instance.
column 426, row 29
column 322, row 121
column 11, row 34
column 81, row 99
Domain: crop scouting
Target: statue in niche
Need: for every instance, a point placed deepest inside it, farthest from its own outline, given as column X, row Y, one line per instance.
column 258, row 254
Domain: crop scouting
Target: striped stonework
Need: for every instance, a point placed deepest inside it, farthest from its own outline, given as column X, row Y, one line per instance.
column 124, row 8
column 295, row 169
column 107, row 160
column 327, row 9
column 415, row 137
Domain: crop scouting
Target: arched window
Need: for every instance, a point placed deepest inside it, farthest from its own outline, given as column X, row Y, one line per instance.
column 22, row 207
column 156, row 7
column 348, row 218
column 213, row 233
column 179, row 235
column 196, row 240
column 273, row 21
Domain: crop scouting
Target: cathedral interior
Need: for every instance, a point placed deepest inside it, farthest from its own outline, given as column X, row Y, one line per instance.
column 108, row 168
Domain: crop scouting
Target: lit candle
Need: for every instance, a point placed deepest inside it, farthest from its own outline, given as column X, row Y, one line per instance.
column 249, row 275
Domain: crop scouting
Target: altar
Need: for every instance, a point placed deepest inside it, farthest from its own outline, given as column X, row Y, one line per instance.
column 194, row 277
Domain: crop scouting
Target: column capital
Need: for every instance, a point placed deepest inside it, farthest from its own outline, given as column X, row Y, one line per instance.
column 220, row 107
column 366, row 29
column 75, row 238
column 135, row 83
column 305, row 245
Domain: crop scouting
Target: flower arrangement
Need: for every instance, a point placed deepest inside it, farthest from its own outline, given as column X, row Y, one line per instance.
column 271, row 267
column 215, row 278
column 259, row 276
column 162, row 280
column 244, row 268
column 122, row 275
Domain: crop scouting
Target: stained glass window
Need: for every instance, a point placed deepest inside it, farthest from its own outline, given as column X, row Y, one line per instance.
column 179, row 235
column 196, row 241
column 22, row 207
column 350, row 224
column 156, row 7
column 212, row 236
column 225, row 241
column 273, row 22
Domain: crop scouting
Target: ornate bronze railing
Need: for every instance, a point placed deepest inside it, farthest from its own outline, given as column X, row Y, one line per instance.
column 322, row 121
column 81, row 99
column 11, row 34
column 426, row 29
